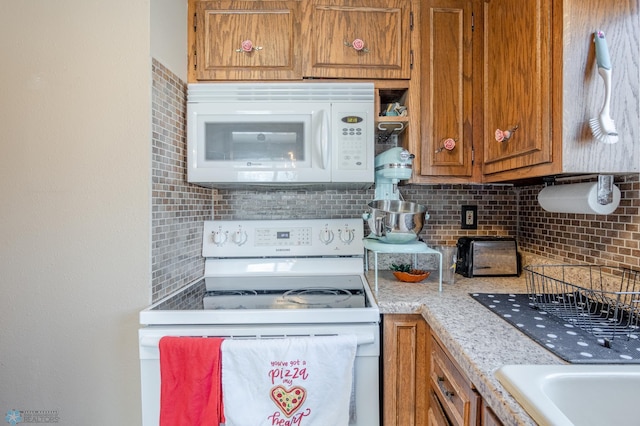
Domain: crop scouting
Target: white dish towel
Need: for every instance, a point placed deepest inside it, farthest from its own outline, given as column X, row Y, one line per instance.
column 304, row 381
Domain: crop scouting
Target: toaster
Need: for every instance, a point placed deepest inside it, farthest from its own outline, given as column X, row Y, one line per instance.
column 488, row 257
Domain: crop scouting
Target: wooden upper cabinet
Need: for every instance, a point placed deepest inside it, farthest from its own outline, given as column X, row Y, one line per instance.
column 221, row 31
column 517, row 83
column 541, row 75
column 583, row 88
column 447, row 88
column 333, row 30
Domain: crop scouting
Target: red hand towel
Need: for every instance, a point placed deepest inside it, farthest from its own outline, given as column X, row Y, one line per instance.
column 190, row 385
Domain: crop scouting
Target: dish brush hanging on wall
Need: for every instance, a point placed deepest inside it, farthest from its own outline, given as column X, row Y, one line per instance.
column 603, row 126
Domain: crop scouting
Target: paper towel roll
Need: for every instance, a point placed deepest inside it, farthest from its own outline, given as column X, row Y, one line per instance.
column 576, row 198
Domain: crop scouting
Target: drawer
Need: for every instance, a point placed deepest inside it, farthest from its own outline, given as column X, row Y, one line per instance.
column 455, row 393
column 436, row 412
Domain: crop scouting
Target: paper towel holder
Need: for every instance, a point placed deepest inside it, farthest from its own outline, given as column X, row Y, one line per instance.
column 601, row 197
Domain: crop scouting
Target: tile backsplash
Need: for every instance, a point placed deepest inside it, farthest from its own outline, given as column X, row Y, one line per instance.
column 497, row 212
column 180, row 208
column 612, row 240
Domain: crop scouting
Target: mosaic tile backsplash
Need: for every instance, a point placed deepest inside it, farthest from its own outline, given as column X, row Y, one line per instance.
column 180, row 208
column 612, row 240
column 497, row 212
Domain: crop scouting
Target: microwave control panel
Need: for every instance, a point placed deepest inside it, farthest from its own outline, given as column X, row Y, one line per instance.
column 354, row 131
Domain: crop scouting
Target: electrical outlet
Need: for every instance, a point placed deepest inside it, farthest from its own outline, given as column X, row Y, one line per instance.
column 469, row 219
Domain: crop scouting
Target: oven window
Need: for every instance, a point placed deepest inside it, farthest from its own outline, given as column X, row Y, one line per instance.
column 257, row 141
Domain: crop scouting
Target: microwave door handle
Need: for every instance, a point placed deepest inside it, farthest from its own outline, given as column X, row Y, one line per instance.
column 324, row 139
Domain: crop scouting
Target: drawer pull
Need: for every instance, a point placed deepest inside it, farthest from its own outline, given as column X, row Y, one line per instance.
column 446, row 392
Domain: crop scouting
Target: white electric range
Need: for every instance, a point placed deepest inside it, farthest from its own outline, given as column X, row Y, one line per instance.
column 273, row 279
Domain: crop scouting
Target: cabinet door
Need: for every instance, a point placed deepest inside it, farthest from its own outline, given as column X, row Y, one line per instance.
column 334, row 29
column 517, row 83
column 489, row 418
column 404, row 370
column 222, row 28
column 447, row 84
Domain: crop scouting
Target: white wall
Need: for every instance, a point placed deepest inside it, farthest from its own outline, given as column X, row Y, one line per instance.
column 75, row 199
column 169, row 35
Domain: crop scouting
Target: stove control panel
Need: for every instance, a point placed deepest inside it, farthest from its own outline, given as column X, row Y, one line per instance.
column 283, row 238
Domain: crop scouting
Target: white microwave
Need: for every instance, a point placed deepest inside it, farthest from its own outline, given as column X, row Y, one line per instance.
column 280, row 134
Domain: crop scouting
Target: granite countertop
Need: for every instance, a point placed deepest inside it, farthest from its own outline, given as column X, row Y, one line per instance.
column 478, row 339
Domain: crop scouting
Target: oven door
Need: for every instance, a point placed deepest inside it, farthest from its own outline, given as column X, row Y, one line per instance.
column 258, row 142
column 366, row 384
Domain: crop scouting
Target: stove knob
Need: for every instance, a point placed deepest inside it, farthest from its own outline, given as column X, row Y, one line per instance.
column 326, row 236
column 239, row 237
column 219, row 237
column 346, row 236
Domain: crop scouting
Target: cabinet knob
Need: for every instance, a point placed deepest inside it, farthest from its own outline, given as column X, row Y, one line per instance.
column 248, row 47
column 449, row 144
column 357, row 45
column 505, row 135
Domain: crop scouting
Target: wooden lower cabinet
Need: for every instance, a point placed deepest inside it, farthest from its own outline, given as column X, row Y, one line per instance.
column 489, row 418
column 454, row 400
column 405, row 369
column 436, row 416
column 452, row 391
column 422, row 383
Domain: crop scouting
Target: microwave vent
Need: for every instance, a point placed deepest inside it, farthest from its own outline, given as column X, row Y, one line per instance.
column 280, row 92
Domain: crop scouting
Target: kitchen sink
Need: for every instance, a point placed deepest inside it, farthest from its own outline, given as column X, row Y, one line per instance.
column 580, row 395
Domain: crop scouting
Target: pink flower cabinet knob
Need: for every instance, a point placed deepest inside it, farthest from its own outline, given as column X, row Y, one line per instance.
column 248, row 47
column 449, row 144
column 505, row 135
column 357, row 45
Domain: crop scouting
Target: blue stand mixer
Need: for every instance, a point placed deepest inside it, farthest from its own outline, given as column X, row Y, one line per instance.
column 392, row 220
column 395, row 223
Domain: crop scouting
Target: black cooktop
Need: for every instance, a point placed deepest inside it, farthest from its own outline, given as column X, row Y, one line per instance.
column 560, row 337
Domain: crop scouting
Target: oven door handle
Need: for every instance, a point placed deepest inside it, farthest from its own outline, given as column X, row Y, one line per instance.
column 149, row 344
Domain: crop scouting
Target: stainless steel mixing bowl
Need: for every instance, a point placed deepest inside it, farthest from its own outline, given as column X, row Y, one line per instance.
column 395, row 221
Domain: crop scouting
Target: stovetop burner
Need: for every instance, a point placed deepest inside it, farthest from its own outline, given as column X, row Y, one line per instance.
column 314, row 296
column 232, row 293
column 300, row 298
